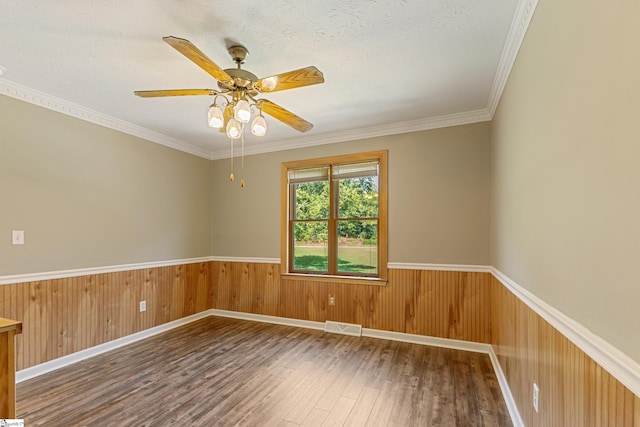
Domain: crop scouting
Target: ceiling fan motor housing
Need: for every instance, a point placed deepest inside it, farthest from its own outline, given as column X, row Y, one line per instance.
column 242, row 79
column 238, row 54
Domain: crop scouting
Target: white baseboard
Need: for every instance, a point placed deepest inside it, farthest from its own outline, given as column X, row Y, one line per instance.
column 475, row 347
column 614, row 361
column 61, row 362
column 308, row 324
column 403, row 337
column 506, row 391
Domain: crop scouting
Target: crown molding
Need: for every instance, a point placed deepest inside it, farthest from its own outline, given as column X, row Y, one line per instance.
column 448, row 120
column 41, row 99
column 515, row 37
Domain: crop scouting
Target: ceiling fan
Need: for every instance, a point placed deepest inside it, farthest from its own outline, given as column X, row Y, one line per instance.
column 238, row 89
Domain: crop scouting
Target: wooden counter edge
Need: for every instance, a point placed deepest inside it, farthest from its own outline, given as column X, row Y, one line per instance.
column 10, row 325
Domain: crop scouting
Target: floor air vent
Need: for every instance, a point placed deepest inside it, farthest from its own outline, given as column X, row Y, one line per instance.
column 343, row 328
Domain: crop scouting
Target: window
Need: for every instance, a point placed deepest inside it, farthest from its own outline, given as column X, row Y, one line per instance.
column 334, row 217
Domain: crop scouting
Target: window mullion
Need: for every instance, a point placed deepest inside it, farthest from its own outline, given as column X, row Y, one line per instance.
column 292, row 209
column 333, row 228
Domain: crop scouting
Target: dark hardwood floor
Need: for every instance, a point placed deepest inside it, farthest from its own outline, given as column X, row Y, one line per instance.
column 221, row 372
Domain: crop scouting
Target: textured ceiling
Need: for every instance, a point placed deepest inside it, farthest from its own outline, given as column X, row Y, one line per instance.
column 385, row 63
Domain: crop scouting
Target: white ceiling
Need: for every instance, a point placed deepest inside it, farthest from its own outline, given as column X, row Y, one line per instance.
column 389, row 66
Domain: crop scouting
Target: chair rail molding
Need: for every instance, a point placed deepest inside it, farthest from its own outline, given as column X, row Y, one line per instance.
column 63, row 274
column 622, row 367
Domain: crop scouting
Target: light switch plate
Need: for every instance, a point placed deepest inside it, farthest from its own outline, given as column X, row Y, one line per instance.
column 17, row 237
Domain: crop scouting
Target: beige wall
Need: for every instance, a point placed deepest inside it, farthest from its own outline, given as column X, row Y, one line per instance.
column 89, row 196
column 566, row 166
column 438, row 197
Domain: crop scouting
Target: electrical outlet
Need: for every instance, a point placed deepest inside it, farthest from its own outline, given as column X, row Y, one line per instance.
column 536, row 396
column 17, row 237
column 143, row 306
column 332, row 299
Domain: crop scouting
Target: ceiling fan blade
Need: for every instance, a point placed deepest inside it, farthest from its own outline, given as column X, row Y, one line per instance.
column 298, row 78
column 186, row 48
column 174, row 92
column 285, row 116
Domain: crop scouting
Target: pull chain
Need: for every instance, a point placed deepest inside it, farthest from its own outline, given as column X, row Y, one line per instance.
column 231, row 177
column 242, row 155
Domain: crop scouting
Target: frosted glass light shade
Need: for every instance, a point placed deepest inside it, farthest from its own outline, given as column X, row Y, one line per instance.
column 242, row 111
column 234, row 130
column 215, row 118
column 259, row 126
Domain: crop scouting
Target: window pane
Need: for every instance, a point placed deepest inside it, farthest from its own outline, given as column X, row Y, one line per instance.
column 310, row 246
column 358, row 197
column 312, row 200
column 358, row 247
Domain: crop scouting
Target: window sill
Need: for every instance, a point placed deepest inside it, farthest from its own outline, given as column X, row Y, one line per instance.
column 373, row 281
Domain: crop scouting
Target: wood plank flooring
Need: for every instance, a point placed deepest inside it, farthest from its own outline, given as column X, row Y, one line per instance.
column 221, row 372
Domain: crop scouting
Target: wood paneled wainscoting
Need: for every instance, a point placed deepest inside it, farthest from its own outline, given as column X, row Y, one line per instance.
column 470, row 306
column 443, row 304
column 67, row 315
column 574, row 389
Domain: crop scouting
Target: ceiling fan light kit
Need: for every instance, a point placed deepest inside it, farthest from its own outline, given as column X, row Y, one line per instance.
column 234, row 129
column 215, row 119
column 237, row 92
column 241, row 114
column 259, row 125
